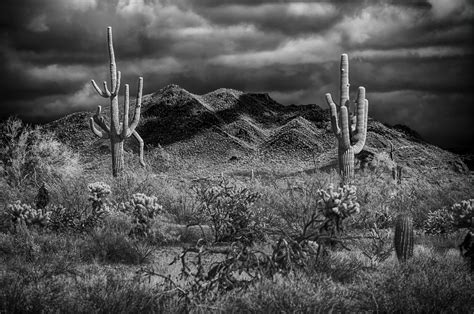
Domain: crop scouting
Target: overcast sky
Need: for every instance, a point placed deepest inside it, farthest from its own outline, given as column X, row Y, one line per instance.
column 413, row 57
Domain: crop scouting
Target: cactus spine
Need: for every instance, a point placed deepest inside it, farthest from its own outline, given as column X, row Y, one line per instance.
column 118, row 131
column 404, row 237
column 350, row 133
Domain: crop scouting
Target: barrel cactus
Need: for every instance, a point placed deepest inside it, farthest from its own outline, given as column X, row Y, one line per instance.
column 404, row 237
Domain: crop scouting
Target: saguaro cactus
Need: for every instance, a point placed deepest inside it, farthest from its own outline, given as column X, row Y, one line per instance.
column 403, row 239
column 350, row 132
column 118, row 131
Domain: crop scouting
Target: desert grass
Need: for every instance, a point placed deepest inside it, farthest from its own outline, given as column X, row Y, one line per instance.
column 101, row 270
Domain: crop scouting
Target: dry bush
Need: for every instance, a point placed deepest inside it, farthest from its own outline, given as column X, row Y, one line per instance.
column 31, row 156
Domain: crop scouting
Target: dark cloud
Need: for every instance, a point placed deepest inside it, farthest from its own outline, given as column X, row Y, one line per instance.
column 288, row 18
column 414, row 57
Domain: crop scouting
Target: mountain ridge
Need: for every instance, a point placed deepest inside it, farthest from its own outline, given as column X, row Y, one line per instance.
column 227, row 122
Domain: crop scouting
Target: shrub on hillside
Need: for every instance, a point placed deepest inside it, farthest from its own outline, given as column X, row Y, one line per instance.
column 30, row 155
column 448, row 219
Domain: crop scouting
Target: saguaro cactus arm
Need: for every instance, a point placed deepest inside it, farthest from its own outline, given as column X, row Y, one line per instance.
column 129, row 129
column 344, row 88
column 360, row 112
column 100, row 120
column 345, row 136
column 142, row 144
column 361, row 134
column 104, row 93
column 126, row 106
column 334, row 120
column 138, row 105
column 97, row 131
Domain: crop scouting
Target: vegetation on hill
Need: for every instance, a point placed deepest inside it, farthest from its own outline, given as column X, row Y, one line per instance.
column 243, row 213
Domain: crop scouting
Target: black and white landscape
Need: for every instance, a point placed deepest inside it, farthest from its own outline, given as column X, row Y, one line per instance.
column 228, row 180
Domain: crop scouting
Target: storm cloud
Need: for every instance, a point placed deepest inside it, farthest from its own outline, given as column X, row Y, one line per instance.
column 414, row 57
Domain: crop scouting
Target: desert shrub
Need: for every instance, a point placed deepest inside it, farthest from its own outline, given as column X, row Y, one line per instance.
column 229, row 210
column 42, row 197
column 306, row 212
column 33, row 291
column 427, row 283
column 22, row 243
column 14, row 147
column 131, row 182
column 341, row 266
column 51, row 160
column 72, row 194
column 108, row 246
column 38, row 246
column 299, row 294
column 242, row 264
column 30, row 155
column 378, row 245
column 82, row 217
column 59, row 218
column 62, row 219
column 114, row 294
column 448, row 219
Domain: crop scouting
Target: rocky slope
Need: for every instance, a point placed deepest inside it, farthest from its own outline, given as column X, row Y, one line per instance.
column 228, row 124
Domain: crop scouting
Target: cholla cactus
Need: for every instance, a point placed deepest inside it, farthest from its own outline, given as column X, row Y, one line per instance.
column 447, row 220
column 143, row 210
column 439, row 222
column 338, row 205
column 341, row 203
column 20, row 213
column 98, row 193
column 463, row 214
column 142, row 205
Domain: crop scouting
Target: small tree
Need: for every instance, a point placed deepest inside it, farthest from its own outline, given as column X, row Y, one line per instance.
column 118, row 131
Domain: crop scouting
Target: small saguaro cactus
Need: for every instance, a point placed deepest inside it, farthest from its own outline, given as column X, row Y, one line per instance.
column 350, row 132
column 118, row 131
column 403, row 239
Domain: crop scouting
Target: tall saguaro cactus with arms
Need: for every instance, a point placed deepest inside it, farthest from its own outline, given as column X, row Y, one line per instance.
column 350, row 132
column 118, row 131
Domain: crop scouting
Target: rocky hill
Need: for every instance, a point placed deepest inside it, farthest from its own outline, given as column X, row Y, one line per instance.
column 227, row 124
